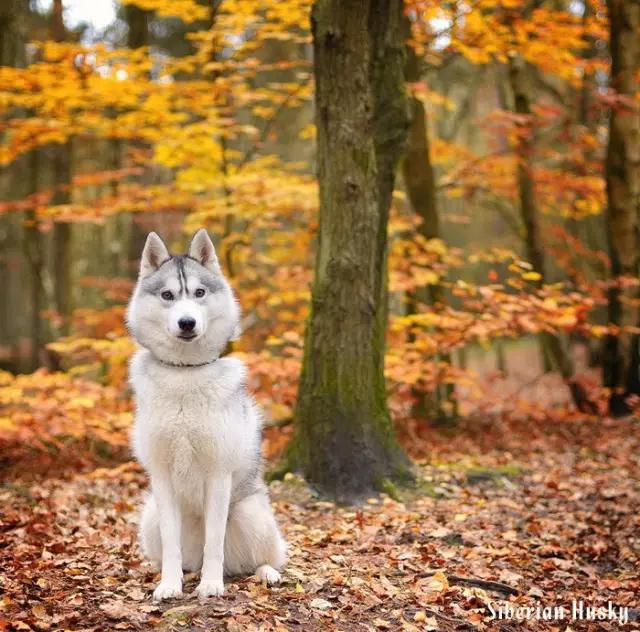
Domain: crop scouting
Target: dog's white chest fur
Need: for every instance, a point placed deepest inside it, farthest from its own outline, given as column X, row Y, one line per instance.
column 195, row 421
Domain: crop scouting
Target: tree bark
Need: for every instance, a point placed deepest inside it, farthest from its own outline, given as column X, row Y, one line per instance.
column 420, row 183
column 62, row 231
column 344, row 441
column 417, row 169
column 62, row 235
column 622, row 170
column 520, row 88
column 138, row 24
column 33, row 250
column 13, row 14
column 12, row 32
column 137, row 37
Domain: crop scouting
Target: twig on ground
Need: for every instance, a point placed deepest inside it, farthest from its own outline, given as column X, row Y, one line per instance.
column 476, row 583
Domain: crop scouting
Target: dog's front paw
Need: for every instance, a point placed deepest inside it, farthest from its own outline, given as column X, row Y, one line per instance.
column 268, row 575
column 210, row 588
column 168, row 590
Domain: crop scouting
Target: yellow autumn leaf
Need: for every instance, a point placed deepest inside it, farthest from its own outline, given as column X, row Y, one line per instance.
column 6, row 424
column 438, row 582
column 82, row 402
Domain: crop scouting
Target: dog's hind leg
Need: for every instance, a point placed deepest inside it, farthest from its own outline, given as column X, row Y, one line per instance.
column 253, row 543
column 150, row 541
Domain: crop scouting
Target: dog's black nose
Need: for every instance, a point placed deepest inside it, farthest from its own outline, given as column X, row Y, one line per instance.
column 187, row 324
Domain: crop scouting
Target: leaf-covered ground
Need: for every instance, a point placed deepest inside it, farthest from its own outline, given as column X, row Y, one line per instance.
column 539, row 514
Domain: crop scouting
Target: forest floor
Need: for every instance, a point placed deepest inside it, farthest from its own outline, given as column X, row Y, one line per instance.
column 537, row 514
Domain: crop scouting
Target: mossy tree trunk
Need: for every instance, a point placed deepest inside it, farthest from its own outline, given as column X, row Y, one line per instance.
column 622, row 170
column 344, row 441
column 420, row 183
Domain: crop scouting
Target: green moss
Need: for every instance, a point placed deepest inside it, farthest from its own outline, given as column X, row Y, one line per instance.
column 404, row 470
column 406, row 488
column 421, row 488
column 102, row 449
column 387, row 486
column 479, row 474
column 427, row 488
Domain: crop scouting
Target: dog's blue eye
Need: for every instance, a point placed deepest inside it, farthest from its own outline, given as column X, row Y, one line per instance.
column 199, row 292
column 167, row 296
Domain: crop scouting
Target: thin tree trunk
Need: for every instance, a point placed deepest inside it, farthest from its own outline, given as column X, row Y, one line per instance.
column 587, row 86
column 344, row 440
column 62, row 235
column 137, row 20
column 116, row 229
column 583, row 119
column 553, row 352
column 62, row 231
column 419, row 180
column 13, row 53
column 12, row 32
column 138, row 36
column 35, row 259
column 622, row 169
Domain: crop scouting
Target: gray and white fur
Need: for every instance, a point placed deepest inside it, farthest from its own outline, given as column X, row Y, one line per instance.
column 197, row 431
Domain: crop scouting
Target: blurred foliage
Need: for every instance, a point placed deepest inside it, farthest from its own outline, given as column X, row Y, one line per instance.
column 222, row 137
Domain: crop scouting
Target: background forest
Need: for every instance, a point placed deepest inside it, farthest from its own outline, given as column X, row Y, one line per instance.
column 511, row 274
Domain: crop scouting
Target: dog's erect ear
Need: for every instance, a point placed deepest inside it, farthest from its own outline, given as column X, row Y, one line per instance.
column 153, row 255
column 201, row 249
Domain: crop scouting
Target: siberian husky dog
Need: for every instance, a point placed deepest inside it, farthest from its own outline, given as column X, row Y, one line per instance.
column 197, row 430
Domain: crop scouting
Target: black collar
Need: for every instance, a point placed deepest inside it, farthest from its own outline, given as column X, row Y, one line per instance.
column 189, row 366
column 184, row 365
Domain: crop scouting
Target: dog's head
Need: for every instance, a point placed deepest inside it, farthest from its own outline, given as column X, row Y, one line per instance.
column 182, row 309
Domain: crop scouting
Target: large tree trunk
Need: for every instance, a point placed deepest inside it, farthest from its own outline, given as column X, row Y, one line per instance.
column 621, row 356
column 345, row 443
column 554, row 354
column 420, row 183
